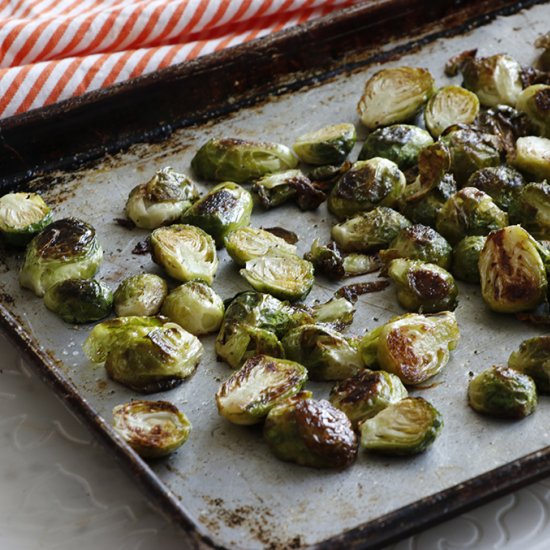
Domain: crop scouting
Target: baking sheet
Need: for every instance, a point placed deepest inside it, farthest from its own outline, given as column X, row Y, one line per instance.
column 225, row 477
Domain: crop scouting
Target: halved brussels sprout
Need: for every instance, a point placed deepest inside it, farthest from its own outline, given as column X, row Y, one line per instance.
column 337, row 313
column 248, row 395
column 249, row 243
column 450, row 105
column 223, row 209
column 532, row 155
column 400, row 143
column 502, row 183
column 513, row 276
column 325, row 353
column 394, row 95
column 466, row 259
column 366, row 394
column 413, row 347
column 140, row 295
column 195, row 307
column 533, row 359
column 532, row 209
column 79, row 300
column 152, row 428
column 186, row 252
column 423, row 287
column 469, row 212
column 407, row 427
column 535, row 102
column 162, row 200
column 419, row 242
column 310, row 433
column 240, row 160
column 366, row 185
column 329, row 145
column 503, row 392
column 65, row 249
column 285, row 277
column 22, row 215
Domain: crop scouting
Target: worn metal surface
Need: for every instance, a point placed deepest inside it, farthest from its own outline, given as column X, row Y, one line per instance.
column 224, row 480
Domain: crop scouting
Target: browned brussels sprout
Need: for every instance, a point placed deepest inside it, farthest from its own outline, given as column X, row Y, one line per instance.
column 532, row 155
column 140, row 294
column 329, row 145
column 533, row 359
column 532, row 209
column 534, row 101
column 466, row 259
column 502, row 183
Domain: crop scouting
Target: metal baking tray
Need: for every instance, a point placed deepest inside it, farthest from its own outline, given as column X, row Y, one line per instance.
column 224, row 487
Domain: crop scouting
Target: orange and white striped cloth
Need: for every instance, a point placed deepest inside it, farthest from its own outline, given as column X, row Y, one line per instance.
column 55, row 49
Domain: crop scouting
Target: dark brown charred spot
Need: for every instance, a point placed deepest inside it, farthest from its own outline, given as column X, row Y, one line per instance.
column 352, row 292
column 222, row 202
column 419, row 234
column 433, row 162
column 142, row 247
column 542, row 100
column 401, row 348
column 455, row 63
column 428, row 284
column 289, row 236
column 64, row 238
column 358, row 183
column 360, row 387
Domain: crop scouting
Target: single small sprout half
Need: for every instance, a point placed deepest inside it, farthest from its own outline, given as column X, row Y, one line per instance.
column 502, row 183
column 140, row 295
column 248, row 395
column 152, row 428
column 329, row 145
column 466, row 259
column 535, row 102
column 533, row 359
column 407, row 427
column 503, row 392
column 532, row 156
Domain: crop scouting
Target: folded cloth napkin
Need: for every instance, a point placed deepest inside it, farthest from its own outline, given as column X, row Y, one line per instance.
column 55, row 49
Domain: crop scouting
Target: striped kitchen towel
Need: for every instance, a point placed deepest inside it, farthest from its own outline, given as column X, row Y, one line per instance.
column 55, row 49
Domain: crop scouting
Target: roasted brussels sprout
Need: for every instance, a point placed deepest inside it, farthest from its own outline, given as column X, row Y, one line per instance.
column 543, row 42
column 240, row 160
column 285, row 277
column 223, row 209
column 337, row 313
column 152, row 428
column 329, row 145
column 195, row 307
column 22, row 215
column 469, row 212
column 512, row 273
column 248, row 395
column 413, row 347
column 366, row 185
column 502, row 183
column 249, row 243
column 310, row 433
column 162, row 200
column 532, row 209
column 533, row 359
column 79, row 300
column 532, row 156
column 466, row 259
column 503, row 392
column 400, row 143
column 140, row 295
column 366, row 394
column 534, row 101
column 325, row 353
column 419, row 242
column 65, row 249
column 407, row 427
column 422, row 287
column 394, row 95
column 369, row 231
column 186, row 252
column 450, row 105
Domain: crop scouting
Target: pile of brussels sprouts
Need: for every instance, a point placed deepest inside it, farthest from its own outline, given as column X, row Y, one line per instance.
column 462, row 195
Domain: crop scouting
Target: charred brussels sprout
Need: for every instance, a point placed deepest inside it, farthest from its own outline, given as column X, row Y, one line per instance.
column 79, row 300
column 422, row 287
column 503, row 392
column 260, row 384
column 329, row 145
column 532, row 209
column 162, row 200
column 240, row 160
column 224, row 209
column 368, row 184
column 532, row 156
column 186, row 252
column 310, row 433
column 152, row 428
column 366, row 394
column 195, row 307
column 369, row 231
column 513, row 276
column 65, row 249
column 466, row 259
column 533, row 359
column 249, row 243
column 22, row 215
column 469, row 212
column 450, row 105
column 400, row 143
column 140, row 294
column 534, row 101
column 407, row 427
column 419, row 242
column 394, row 95
column 325, row 353
column 502, row 183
